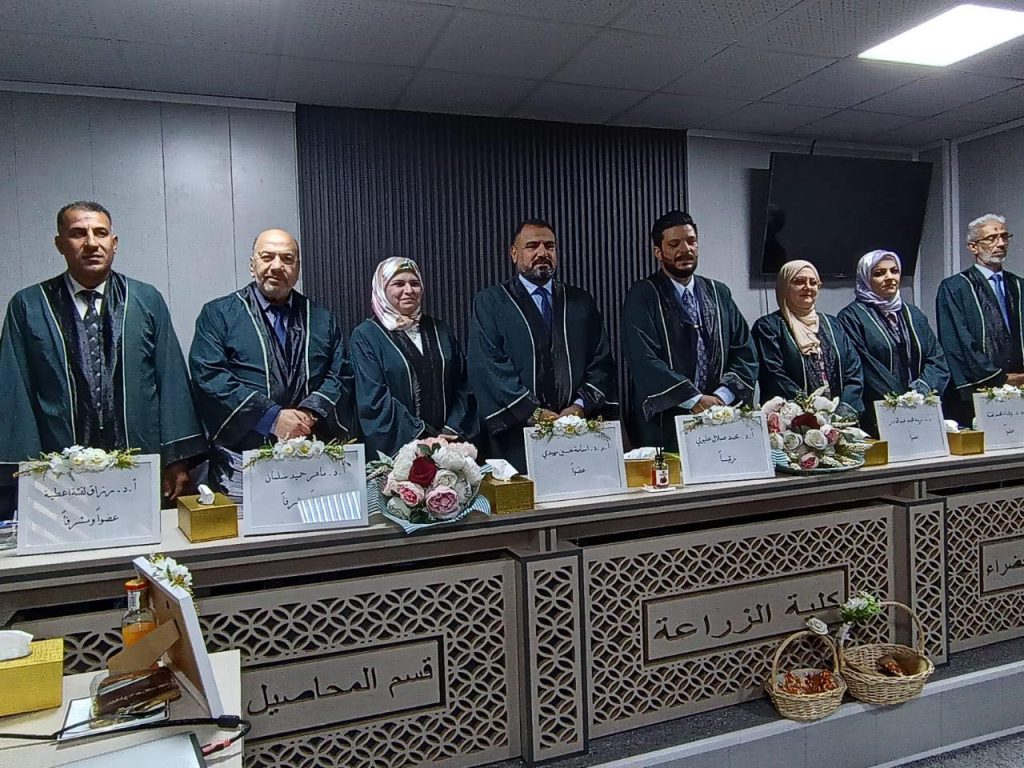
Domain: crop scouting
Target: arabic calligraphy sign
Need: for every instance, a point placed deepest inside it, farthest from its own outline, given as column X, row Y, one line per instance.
column 1002, row 422
column 912, row 431
column 281, row 495
column 90, row 510
column 576, row 467
column 676, row 627
column 715, row 453
column 344, row 688
column 1002, row 564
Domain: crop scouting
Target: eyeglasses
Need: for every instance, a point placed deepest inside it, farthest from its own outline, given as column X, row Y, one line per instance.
column 288, row 259
column 991, row 239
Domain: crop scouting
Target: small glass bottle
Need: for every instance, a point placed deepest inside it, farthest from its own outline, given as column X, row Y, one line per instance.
column 659, row 471
column 138, row 620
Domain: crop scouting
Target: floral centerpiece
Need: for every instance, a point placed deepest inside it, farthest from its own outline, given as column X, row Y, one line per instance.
column 810, row 433
column 567, row 426
column 1003, row 393
column 717, row 415
column 79, row 459
column 429, row 480
column 169, row 570
column 911, row 399
column 299, row 448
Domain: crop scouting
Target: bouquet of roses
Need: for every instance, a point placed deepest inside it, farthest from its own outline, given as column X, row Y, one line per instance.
column 811, row 432
column 430, row 480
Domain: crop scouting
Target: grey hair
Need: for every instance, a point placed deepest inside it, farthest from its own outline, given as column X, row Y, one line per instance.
column 974, row 228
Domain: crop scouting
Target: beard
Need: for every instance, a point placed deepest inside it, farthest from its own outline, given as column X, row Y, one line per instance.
column 679, row 272
column 542, row 272
column 991, row 259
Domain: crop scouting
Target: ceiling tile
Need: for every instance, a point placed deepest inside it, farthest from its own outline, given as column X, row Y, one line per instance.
column 667, row 110
column 767, row 118
column 616, row 59
column 186, row 70
column 366, row 31
column 73, row 61
column 465, row 94
column 1006, row 60
column 746, row 73
column 597, row 12
column 927, row 131
column 843, row 27
column 848, row 82
column 992, row 110
column 938, row 93
column 565, row 102
column 505, row 45
column 338, row 84
column 852, row 125
column 724, row 20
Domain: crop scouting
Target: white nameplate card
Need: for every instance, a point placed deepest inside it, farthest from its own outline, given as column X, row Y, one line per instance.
column 912, row 431
column 78, row 510
column 576, row 466
column 303, row 494
column 718, row 453
column 1002, row 421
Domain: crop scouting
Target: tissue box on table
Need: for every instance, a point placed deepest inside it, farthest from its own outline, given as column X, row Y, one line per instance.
column 966, row 442
column 508, row 496
column 878, row 454
column 35, row 681
column 207, row 522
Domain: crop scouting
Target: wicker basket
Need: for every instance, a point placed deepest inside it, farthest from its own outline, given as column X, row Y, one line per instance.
column 804, row 706
column 879, row 688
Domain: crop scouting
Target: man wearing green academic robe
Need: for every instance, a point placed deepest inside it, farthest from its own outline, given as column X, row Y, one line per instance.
column 268, row 364
column 538, row 349
column 90, row 358
column 980, row 316
column 687, row 345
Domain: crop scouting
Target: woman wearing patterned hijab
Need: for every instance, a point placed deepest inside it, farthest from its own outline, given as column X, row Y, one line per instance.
column 410, row 370
column 801, row 349
column 898, row 350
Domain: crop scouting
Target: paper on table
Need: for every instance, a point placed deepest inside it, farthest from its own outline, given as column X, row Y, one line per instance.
column 80, row 710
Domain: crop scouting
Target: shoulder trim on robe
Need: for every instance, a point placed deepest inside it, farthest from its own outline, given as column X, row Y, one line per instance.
column 263, row 348
column 124, row 383
column 533, row 349
column 72, row 408
column 444, row 380
column 220, row 429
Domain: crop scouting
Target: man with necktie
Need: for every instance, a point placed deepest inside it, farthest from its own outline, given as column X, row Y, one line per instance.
column 538, row 348
column 268, row 364
column 90, row 358
column 980, row 316
column 687, row 346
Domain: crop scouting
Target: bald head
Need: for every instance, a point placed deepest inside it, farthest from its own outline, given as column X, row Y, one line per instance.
column 275, row 264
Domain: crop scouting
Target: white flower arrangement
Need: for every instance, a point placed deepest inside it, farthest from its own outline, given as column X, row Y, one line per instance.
column 718, row 415
column 567, row 426
column 1003, row 393
column 911, row 399
column 811, row 435
column 79, row 459
column 299, row 448
column 171, row 571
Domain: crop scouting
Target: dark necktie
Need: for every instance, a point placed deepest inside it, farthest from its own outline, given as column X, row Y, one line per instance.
column 279, row 313
column 94, row 338
column 693, row 318
column 997, row 286
column 544, row 303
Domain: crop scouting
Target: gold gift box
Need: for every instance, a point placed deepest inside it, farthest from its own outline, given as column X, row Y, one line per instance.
column 508, row 496
column 878, row 454
column 967, row 442
column 207, row 522
column 35, row 681
column 638, row 471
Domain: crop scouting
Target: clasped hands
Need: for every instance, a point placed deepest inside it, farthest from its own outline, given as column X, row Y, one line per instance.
column 291, row 422
column 543, row 414
column 705, row 402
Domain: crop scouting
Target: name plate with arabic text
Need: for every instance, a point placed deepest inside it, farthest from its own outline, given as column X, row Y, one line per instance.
column 1002, row 421
column 719, row 453
column 576, row 467
column 676, row 627
column 344, row 688
column 90, row 510
column 1002, row 564
column 912, row 431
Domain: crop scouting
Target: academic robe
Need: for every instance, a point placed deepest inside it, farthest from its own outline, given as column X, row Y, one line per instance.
column 786, row 373
column 517, row 364
column 980, row 348
column 921, row 365
column 403, row 393
column 240, row 370
column 661, row 351
column 45, row 396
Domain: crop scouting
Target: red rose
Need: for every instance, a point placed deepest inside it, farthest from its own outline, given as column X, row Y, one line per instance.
column 422, row 471
column 804, row 421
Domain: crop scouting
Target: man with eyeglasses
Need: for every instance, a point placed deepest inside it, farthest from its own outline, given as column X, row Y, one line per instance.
column 268, row 364
column 980, row 316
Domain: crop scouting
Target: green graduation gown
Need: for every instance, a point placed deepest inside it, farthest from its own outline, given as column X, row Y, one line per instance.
column 980, row 348
column 662, row 359
column 517, row 364
column 393, row 380
column 46, row 398
column 786, row 373
column 921, row 366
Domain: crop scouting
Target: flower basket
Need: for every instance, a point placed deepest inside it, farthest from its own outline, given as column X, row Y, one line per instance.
column 804, row 706
column 860, row 662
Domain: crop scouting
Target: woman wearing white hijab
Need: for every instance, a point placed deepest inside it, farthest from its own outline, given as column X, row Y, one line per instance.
column 801, row 349
column 410, row 370
column 898, row 349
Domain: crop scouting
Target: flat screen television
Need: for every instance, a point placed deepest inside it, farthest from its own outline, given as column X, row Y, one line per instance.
column 832, row 210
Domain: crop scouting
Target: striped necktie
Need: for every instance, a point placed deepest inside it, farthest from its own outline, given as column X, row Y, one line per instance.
column 94, row 337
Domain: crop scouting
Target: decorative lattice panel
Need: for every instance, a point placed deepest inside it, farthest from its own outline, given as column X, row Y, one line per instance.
column 555, row 654
column 628, row 689
column 985, row 530
column 928, row 576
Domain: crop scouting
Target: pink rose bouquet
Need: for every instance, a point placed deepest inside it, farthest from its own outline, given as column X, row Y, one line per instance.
column 812, row 432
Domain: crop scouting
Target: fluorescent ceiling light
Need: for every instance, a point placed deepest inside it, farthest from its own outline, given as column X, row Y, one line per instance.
column 955, row 35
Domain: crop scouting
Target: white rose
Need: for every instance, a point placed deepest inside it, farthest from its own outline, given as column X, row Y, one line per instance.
column 399, row 508
column 445, row 458
column 791, row 441
column 572, row 425
column 72, row 450
column 472, row 472
column 776, row 441
column 304, row 449
column 464, row 491
column 445, row 477
column 816, row 439
column 790, row 411
column 824, row 404
column 464, row 449
column 721, row 414
column 181, row 573
column 402, row 467
column 317, row 447
column 774, row 405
